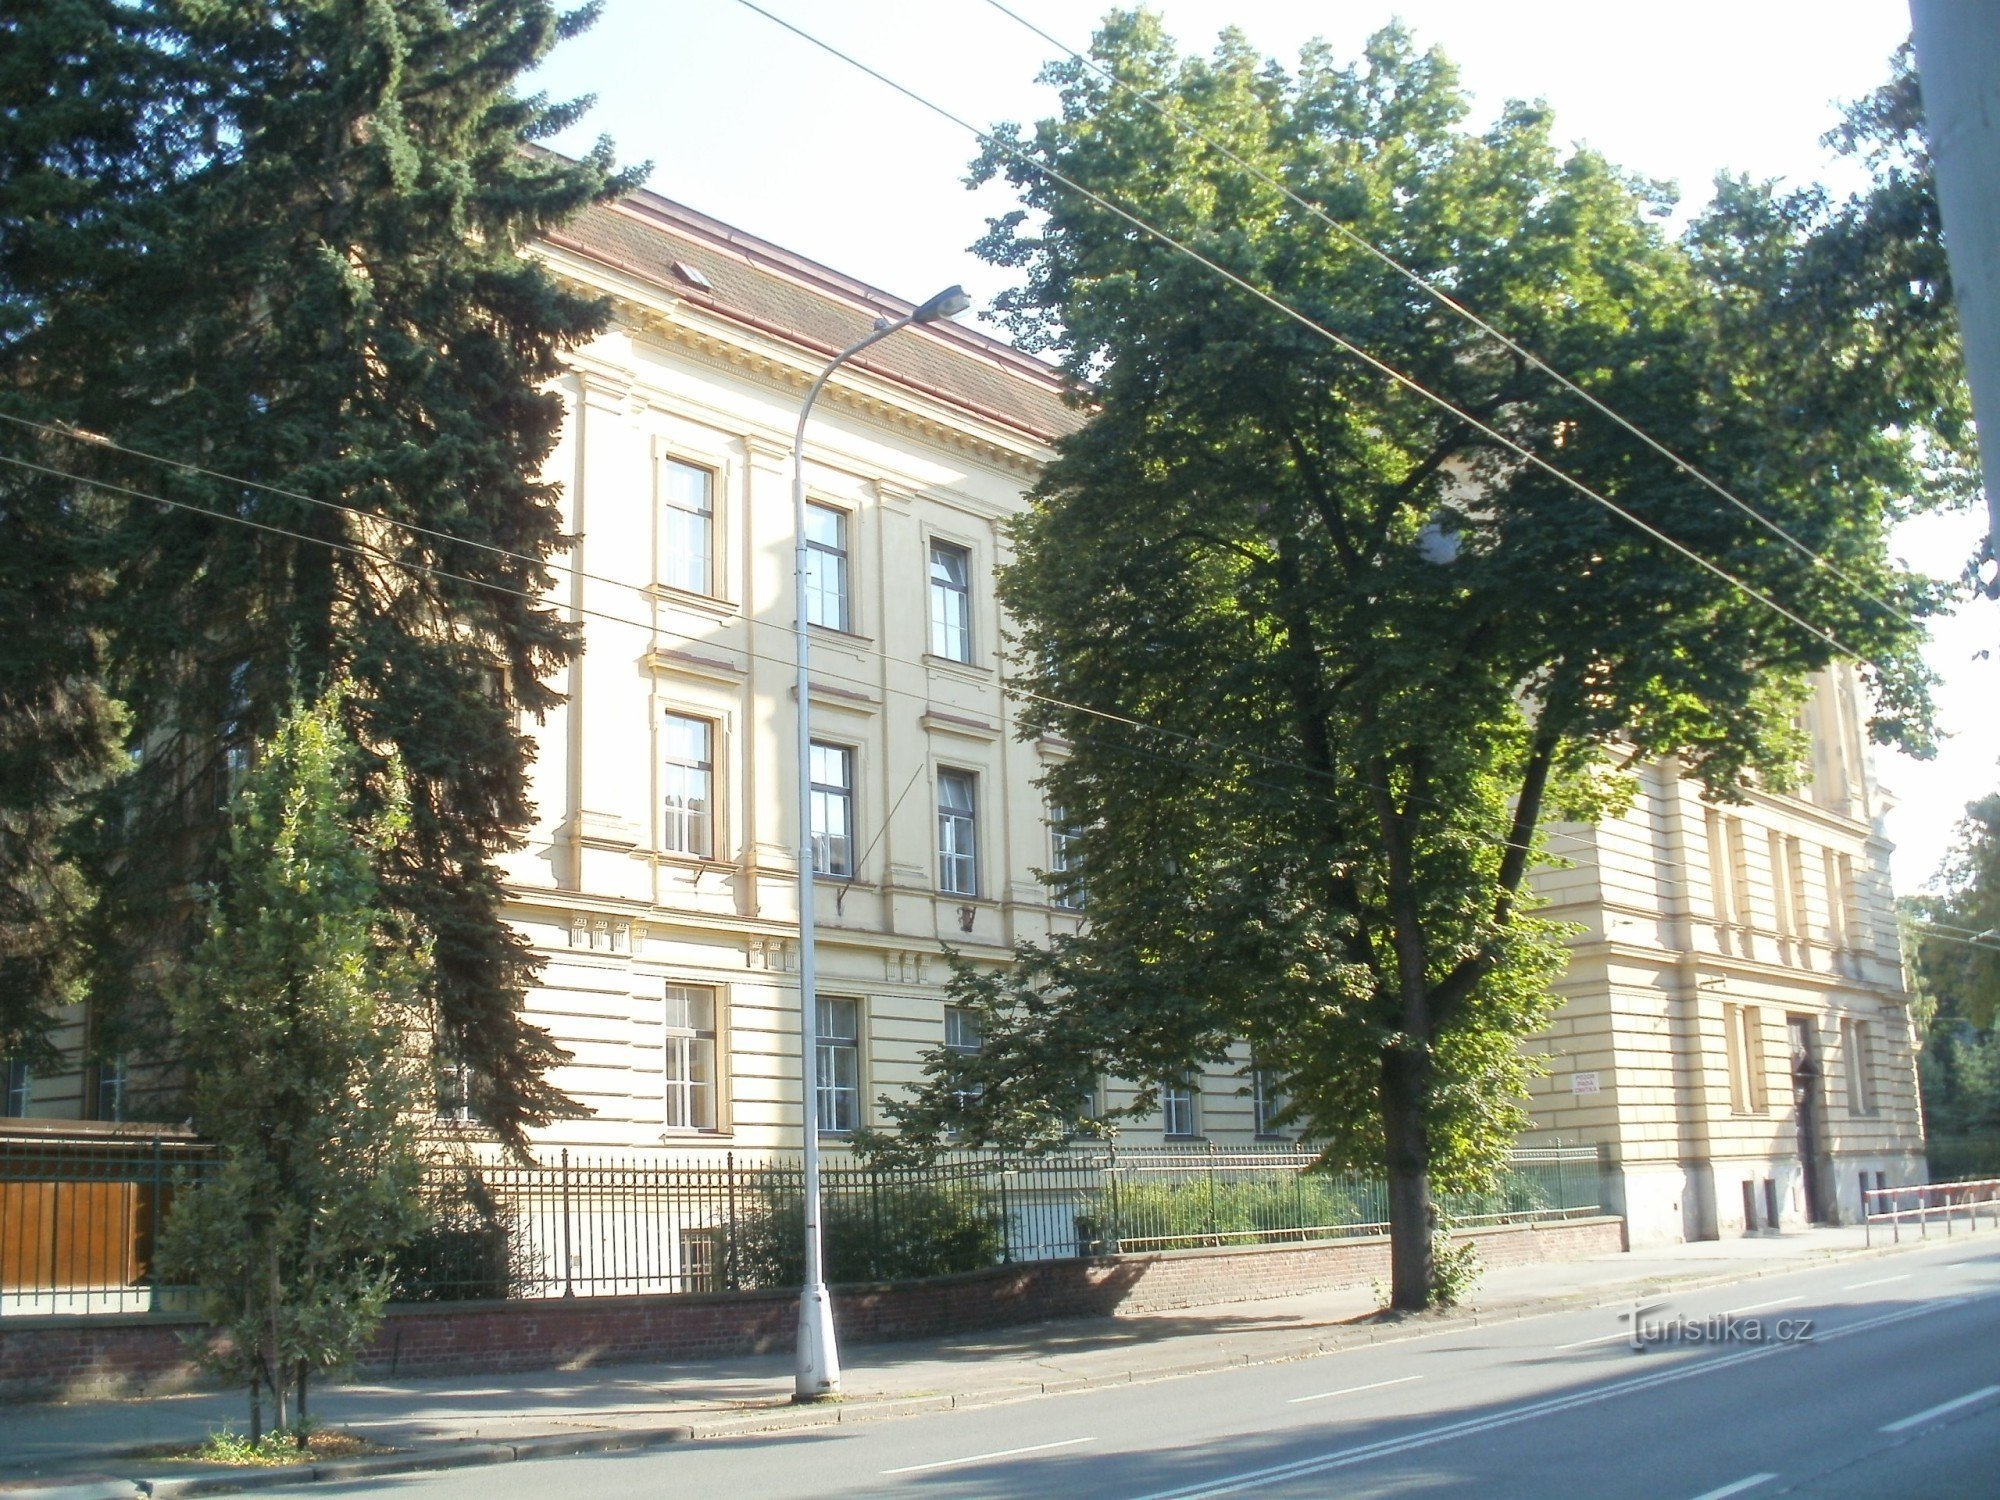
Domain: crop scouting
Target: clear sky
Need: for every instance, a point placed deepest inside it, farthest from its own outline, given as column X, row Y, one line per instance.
column 746, row 122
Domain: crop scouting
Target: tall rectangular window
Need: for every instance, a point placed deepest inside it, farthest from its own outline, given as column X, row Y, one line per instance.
column 1834, row 870
column 110, row 1090
column 1745, row 1042
column 962, row 1036
column 832, row 809
column 1781, row 884
column 1795, row 887
column 1065, row 859
column 19, row 1086
column 1177, row 1109
column 453, row 1079
column 690, row 1057
column 826, row 567
column 1718, row 867
column 689, row 562
column 951, row 602
column 1858, row 1042
column 689, row 806
column 958, row 833
column 839, row 1065
column 1265, row 1100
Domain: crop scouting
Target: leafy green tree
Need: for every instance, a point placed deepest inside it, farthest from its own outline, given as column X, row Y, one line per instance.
column 297, row 1014
column 288, row 244
column 1953, row 939
column 1382, row 649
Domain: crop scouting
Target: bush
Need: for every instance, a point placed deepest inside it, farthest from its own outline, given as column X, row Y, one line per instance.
column 1174, row 1213
column 874, row 1229
column 466, row 1250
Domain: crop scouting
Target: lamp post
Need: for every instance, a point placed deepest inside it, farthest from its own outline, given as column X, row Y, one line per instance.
column 818, row 1373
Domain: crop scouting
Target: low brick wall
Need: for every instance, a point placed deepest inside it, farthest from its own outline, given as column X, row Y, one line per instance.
column 57, row 1357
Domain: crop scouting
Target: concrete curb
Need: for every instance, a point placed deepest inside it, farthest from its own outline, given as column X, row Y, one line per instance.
column 1326, row 1338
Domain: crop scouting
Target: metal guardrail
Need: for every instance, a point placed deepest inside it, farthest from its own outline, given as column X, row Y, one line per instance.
column 1926, row 1202
column 78, row 1220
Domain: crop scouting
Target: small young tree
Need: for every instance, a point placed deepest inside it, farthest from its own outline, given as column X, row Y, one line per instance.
column 295, row 1013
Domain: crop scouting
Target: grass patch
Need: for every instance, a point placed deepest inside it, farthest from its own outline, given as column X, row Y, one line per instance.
column 277, row 1449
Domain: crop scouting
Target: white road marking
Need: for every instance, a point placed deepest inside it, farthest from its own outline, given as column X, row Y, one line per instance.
column 1855, row 1286
column 980, row 1458
column 1342, row 1458
column 1374, row 1385
column 1737, row 1488
column 1737, row 1312
column 1943, row 1408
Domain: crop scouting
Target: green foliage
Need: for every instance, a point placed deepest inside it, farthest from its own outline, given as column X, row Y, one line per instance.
column 1323, row 851
column 1174, row 1213
column 1456, row 1268
column 289, row 243
column 296, row 1013
column 468, row 1249
column 279, row 1446
column 880, row 1230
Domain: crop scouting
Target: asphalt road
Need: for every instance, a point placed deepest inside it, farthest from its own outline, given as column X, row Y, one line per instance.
column 1896, row 1392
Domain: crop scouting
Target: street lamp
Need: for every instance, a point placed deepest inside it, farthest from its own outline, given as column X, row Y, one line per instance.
column 818, row 1373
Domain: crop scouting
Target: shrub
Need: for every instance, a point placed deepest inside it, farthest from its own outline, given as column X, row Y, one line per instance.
column 877, row 1229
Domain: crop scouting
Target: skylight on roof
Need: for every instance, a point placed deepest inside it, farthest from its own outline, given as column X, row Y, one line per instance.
column 692, row 276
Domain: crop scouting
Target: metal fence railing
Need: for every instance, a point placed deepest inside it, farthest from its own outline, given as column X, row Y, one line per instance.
column 1924, row 1204
column 76, row 1229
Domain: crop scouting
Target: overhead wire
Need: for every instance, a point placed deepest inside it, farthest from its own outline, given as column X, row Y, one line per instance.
column 1340, row 341
column 1008, row 688
column 653, row 627
column 1452, row 304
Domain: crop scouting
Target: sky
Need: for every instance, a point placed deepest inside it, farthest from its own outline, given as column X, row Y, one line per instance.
column 745, row 121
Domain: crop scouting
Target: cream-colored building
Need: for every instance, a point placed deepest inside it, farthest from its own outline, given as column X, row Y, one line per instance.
column 657, row 883
column 1735, row 1027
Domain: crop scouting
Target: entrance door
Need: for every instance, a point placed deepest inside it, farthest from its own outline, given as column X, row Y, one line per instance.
column 1806, row 1099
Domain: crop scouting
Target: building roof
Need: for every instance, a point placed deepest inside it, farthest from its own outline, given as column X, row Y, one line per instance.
column 751, row 281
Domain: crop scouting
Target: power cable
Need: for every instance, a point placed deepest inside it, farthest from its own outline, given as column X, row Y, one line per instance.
column 1374, row 362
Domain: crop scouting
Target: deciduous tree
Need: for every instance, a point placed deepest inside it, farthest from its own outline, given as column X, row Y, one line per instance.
column 1382, row 648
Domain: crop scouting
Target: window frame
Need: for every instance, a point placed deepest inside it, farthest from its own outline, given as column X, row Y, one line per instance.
column 670, row 764
column 961, row 1047
column 19, row 1091
column 831, row 1049
column 1065, row 860
column 952, row 859
column 672, row 575
column 1858, row 1042
column 1178, row 1096
column 690, row 1042
column 844, row 794
column 839, row 557
column 939, row 593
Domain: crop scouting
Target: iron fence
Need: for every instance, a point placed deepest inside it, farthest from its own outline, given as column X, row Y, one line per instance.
column 582, row 1224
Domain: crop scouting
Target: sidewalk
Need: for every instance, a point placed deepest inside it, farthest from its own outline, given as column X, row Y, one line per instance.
column 83, row 1450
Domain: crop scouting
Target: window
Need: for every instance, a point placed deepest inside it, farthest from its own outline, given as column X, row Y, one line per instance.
column 19, row 1087
column 689, row 785
column 690, row 526
column 1795, row 885
column 951, row 602
column 110, row 1090
column 1839, row 872
column 235, row 736
column 453, row 1089
column 1744, row 1027
column 1177, row 1108
column 1065, row 859
column 832, row 810
column 826, row 567
column 1265, row 1101
column 1720, row 872
column 690, row 1057
column 839, row 1065
column 958, row 834
column 1858, row 1042
column 962, row 1036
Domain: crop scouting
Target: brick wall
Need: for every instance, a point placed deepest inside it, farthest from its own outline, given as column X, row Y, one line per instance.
column 56, row 1357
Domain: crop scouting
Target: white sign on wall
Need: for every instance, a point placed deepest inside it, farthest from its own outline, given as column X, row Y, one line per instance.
column 1583, row 1083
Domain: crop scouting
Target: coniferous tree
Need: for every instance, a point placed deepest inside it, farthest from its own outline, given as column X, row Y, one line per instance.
column 287, row 246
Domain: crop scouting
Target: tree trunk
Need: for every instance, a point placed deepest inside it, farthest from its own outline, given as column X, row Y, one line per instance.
column 274, row 1368
column 1411, row 1214
column 299, row 1409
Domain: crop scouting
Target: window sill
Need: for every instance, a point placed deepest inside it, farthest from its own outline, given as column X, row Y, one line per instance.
column 970, row 669
column 708, row 604
column 854, row 637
